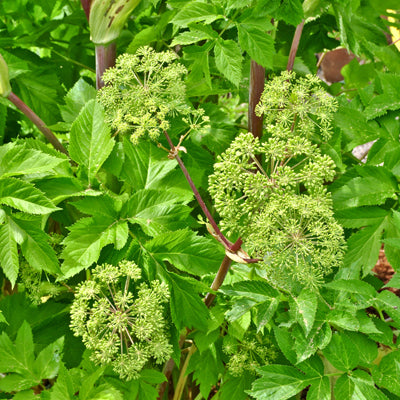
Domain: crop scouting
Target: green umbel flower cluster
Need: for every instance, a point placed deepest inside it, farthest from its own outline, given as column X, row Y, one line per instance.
column 300, row 105
column 272, row 193
column 143, row 91
column 248, row 354
column 124, row 328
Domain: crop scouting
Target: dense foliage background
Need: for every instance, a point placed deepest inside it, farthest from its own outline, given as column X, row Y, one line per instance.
column 103, row 226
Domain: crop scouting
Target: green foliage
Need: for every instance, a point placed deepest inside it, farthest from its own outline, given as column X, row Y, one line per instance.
column 301, row 315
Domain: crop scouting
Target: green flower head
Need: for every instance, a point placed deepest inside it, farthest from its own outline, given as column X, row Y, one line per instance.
column 143, row 91
column 121, row 321
column 272, row 193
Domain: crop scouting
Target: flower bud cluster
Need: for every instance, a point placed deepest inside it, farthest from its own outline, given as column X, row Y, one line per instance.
column 248, row 354
column 271, row 193
column 122, row 321
column 143, row 91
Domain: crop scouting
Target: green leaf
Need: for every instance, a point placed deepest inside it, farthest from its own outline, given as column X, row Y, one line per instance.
column 387, row 373
column 363, row 247
column 187, row 308
column 236, row 387
column 24, row 197
column 87, row 238
column 361, row 217
column 34, row 243
column 305, row 307
column 9, row 260
column 206, row 367
column 196, row 11
column 353, row 286
column 321, row 390
column 188, row 252
column 341, row 353
column 390, row 303
column 228, row 59
column 278, row 382
column 257, row 43
column 291, row 11
column 374, row 188
column 156, row 211
column 342, row 319
column 48, row 361
column 357, row 386
column 19, row 160
column 367, row 348
column 255, row 290
column 147, row 167
column 80, row 94
column 91, row 142
column 64, row 387
column 196, row 34
column 17, row 360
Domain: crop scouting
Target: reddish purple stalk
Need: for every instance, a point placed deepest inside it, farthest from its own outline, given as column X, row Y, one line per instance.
column 38, row 122
column 295, row 46
column 257, row 78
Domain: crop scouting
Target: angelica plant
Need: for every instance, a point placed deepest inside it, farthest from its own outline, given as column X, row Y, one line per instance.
column 272, row 193
column 120, row 320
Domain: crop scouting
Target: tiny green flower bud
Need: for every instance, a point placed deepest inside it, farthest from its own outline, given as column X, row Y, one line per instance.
column 5, row 87
column 108, row 17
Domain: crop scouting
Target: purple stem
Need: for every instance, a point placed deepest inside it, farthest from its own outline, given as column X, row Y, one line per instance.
column 257, row 80
column 105, row 58
column 227, row 244
column 295, row 45
column 38, row 122
column 86, row 7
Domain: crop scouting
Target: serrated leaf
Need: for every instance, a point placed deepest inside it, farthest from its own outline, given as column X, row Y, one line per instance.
column 18, row 160
column 77, row 97
column 341, row 353
column 147, row 167
column 64, row 387
column 87, row 238
column 188, row 252
column 291, row 11
column 366, row 191
column 363, row 247
column 390, row 303
column 353, row 286
column 279, row 382
column 34, row 244
column 236, row 387
column 24, row 197
column 156, row 211
column 90, row 139
column 321, row 390
column 387, row 373
column 196, row 11
column 195, row 35
column 305, row 309
column 255, row 290
column 342, row 319
column 9, row 260
column 206, row 368
column 187, row 308
column 358, row 385
column 367, row 348
column 228, row 59
column 257, row 43
column 361, row 216
column 48, row 360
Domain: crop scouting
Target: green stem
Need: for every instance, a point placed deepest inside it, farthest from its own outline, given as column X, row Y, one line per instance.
column 49, row 135
column 182, row 376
